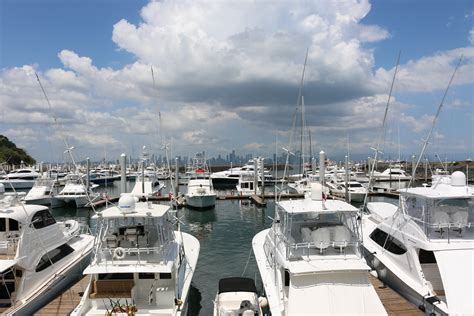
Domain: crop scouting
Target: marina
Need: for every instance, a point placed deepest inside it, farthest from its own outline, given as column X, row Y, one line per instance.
column 259, row 158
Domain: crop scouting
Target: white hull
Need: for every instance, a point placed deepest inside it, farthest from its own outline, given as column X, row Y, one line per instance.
column 18, row 184
column 80, row 201
column 59, row 281
column 46, row 200
column 201, row 201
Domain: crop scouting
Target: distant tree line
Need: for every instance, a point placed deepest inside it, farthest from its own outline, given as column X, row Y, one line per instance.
column 12, row 155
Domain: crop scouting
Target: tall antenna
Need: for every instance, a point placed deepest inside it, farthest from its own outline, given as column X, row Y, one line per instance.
column 295, row 116
column 68, row 149
column 372, row 167
column 63, row 138
column 426, row 141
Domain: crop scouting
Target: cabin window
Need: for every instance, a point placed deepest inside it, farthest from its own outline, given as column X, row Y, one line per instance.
column 54, row 256
column 426, row 256
column 116, row 276
column 165, row 276
column 42, row 219
column 3, row 227
column 144, row 276
column 13, row 225
column 287, row 278
column 388, row 242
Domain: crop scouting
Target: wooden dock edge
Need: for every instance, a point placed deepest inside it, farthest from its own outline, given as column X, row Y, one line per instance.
column 394, row 303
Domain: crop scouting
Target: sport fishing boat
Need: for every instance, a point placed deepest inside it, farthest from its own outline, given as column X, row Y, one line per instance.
column 200, row 192
column 355, row 190
column 39, row 257
column 424, row 248
column 75, row 191
column 391, row 174
column 311, row 259
column 20, row 179
column 237, row 296
column 141, row 265
column 43, row 192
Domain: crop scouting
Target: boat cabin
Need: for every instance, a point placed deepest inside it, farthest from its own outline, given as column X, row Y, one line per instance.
column 318, row 228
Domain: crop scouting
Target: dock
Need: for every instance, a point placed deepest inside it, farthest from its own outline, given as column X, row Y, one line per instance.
column 394, row 303
column 66, row 302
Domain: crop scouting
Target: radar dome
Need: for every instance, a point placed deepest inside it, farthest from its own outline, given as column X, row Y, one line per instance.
column 458, row 179
column 126, row 203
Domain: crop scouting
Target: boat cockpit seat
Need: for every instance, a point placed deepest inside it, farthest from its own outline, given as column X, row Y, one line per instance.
column 306, row 234
column 131, row 234
column 111, row 241
column 341, row 236
column 441, row 220
column 321, row 238
column 459, row 219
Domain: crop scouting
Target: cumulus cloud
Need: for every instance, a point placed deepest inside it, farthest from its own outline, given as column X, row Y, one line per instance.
column 222, row 85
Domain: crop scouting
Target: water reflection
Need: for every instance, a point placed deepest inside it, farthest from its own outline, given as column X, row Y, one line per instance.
column 200, row 223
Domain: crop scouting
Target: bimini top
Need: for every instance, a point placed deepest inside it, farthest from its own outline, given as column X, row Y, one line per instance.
column 308, row 205
column 237, row 285
column 129, row 207
column 456, row 188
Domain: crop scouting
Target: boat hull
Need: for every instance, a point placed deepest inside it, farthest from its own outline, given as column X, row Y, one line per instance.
column 59, row 283
column 18, row 184
column 201, row 201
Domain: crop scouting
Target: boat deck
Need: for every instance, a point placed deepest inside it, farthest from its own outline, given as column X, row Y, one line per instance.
column 392, row 301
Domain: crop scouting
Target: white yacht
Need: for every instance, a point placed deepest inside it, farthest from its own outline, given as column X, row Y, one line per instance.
column 237, row 296
column 43, row 193
column 311, row 261
column 424, row 249
column 230, row 177
column 356, row 191
column 20, row 179
column 75, row 191
column 391, row 174
column 141, row 265
column 200, row 193
column 39, row 257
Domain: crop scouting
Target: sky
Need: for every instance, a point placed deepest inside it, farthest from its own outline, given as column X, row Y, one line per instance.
column 227, row 76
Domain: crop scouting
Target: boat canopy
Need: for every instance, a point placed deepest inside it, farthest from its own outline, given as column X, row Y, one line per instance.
column 237, row 285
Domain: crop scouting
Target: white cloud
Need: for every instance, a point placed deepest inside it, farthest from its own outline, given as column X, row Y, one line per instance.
column 471, row 36
column 221, row 85
column 431, row 73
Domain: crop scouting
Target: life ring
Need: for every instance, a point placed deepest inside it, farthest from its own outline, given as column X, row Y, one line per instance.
column 119, row 253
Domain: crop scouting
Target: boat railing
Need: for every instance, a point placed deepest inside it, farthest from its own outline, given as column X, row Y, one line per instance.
column 442, row 226
column 116, row 255
column 324, row 248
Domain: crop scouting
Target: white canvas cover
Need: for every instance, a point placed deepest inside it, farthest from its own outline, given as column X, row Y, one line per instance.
column 457, row 272
column 333, row 294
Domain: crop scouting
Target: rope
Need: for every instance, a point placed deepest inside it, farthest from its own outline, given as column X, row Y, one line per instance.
column 248, row 260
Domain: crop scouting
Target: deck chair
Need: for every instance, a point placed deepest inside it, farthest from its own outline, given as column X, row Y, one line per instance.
column 321, row 238
column 342, row 236
column 459, row 220
column 441, row 220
